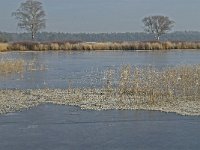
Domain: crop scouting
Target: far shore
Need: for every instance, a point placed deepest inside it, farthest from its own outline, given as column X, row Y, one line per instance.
column 72, row 46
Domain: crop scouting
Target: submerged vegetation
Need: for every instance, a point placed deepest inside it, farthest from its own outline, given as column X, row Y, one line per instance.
column 171, row 90
column 35, row 46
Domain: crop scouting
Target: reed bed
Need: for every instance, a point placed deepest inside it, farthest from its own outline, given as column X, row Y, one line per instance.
column 4, row 47
column 11, row 66
column 170, row 90
column 8, row 67
column 35, row 46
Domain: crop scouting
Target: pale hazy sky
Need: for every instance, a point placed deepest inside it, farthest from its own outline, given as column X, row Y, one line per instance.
column 106, row 15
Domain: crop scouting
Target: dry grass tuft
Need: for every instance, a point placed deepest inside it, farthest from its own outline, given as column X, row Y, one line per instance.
column 153, row 86
column 19, row 66
column 3, row 47
column 11, row 66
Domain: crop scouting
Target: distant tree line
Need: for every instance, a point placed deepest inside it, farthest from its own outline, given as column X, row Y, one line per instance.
column 30, row 16
column 100, row 37
column 3, row 39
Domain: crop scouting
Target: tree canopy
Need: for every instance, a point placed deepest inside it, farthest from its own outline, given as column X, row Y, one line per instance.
column 157, row 25
column 31, row 16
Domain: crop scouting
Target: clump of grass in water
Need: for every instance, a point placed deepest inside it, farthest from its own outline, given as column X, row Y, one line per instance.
column 19, row 66
column 11, row 66
column 152, row 86
column 125, row 77
column 170, row 84
column 108, row 80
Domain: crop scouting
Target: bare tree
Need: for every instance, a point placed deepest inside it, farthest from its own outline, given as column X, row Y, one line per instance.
column 158, row 25
column 31, row 16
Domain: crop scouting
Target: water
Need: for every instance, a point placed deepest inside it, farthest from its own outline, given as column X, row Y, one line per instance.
column 62, row 127
column 80, row 68
column 56, row 127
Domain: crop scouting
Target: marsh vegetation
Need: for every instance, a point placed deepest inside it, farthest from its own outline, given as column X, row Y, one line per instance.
column 3, row 47
column 11, row 66
column 68, row 46
column 175, row 89
column 18, row 66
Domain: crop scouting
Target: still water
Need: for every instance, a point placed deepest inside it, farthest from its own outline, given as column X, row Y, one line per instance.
column 62, row 127
column 80, row 68
column 54, row 127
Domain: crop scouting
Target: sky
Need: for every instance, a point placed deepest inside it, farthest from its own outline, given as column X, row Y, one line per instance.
column 95, row 16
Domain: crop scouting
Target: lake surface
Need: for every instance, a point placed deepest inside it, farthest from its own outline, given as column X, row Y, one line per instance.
column 54, row 127
column 65, row 127
column 83, row 69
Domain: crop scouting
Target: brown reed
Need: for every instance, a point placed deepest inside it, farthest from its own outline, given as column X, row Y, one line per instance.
column 19, row 66
column 152, row 85
column 3, row 47
column 11, row 66
column 35, row 46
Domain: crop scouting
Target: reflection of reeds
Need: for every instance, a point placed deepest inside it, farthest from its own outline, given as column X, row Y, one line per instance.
column 22, row 46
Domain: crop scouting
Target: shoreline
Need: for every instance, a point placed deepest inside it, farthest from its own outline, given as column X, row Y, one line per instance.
column 92, row 99
column 95, row 46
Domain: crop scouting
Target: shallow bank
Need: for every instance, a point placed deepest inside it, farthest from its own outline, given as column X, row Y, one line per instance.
column 96, row 99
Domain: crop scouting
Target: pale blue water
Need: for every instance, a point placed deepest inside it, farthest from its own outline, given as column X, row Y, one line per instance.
column 65, row 127
column 53, row 127
column 86, row 68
